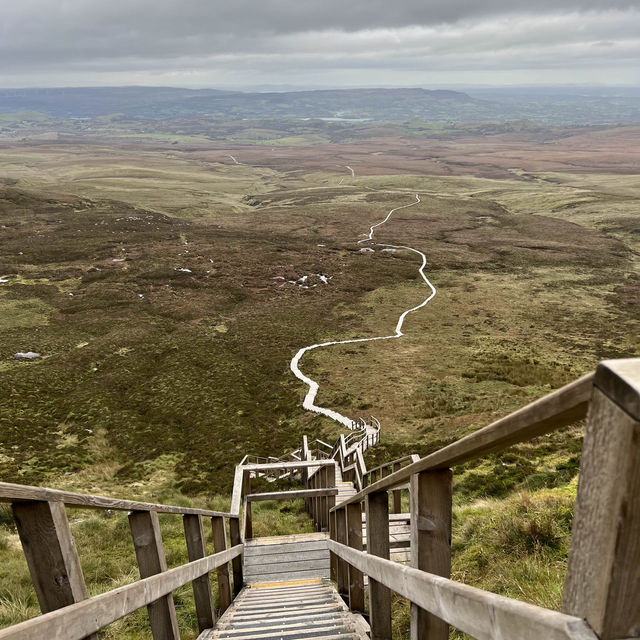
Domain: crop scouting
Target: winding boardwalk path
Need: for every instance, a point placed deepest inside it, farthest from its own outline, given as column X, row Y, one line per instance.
column 309, row 400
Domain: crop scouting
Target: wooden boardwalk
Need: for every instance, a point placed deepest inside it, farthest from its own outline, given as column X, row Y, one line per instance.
column 289, row 611
column 283, row 558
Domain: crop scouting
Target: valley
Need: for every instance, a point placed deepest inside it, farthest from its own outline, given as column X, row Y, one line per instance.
column 163, row 281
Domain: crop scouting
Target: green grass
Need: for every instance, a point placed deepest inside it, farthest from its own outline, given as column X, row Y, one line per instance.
column 155, row 381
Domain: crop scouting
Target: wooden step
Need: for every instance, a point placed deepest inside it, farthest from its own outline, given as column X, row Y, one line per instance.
column 285, row 558
column 298, row 610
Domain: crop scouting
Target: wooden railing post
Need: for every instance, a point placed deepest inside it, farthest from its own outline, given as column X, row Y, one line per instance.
column 316, row 502
column 196, row 549
column 377, row 508
column 397, row 493
column 331, row 483
column 603, row 579
column 51, row 554
column 147, row 540
column 354, row 540
column 220, row 544
column 246, row 506
column 333, row 535
column 324, row 513
column 341, row 537
column 236, row 563
column 430, row 495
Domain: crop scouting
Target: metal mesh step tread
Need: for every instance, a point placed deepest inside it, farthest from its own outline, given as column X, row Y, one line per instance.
column 288, row 611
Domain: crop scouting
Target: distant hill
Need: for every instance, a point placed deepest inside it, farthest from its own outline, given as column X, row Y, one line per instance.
column 162, row 102
column 557, row 106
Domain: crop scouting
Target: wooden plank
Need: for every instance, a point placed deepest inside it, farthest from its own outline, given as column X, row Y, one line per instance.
column 558, row 409
column 219, row 545
column 147, row 540
column 84, row 618
column 603, row 579
column 196, row 549
column 290, row 566
column 51, row 554
column 377, row 506
column 279, row 549
column 291, row 495
column 246, row 507
column 430, row 495
column 24, row 493
column 236, row 564
column 285, row 558
column 290, row 575
column 481, row 614
column 354, row 540
column 289, row 466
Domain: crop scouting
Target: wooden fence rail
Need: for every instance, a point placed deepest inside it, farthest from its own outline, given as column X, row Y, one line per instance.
column 50, row 551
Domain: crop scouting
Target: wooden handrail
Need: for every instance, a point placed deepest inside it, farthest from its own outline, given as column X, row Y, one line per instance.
column 390, row 464
column 24, row 493
column 558, row 409
column 79, row 620
column 291, row 495
column 481, row 614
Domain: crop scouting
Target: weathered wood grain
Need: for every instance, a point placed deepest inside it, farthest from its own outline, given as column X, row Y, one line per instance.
column 603, row 579
column 147, row 540
column 377, row 507
column 236, row 565
column 430, row 495
column 219, row 545
column 481, row 614
column 341, row 537
column 24, row 493
column 84, row 618
column 51, row 554
column 196, row 549
column 354, row 540
column 558, row 409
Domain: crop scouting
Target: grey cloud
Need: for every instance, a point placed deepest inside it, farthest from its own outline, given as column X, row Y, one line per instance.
column 113, row 36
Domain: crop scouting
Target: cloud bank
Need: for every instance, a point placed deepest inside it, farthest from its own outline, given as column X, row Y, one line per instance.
column 362, row 42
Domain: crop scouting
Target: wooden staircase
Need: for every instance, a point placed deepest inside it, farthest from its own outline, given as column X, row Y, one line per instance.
column 289, row 611
column 281, row 590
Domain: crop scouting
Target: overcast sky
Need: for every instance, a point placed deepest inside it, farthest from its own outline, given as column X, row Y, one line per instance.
column 210, row 43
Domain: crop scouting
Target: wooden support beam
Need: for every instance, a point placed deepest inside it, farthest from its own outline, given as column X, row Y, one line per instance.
column 51, row 554
column 341, row 537
column 354, row 540
column 196, row 549
column 291, row 495
column 220, row 544
column 288, row 466
column 603, row 579
column 377, row 508
column 236, row 564
column 147, row 540
column 430, row 493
